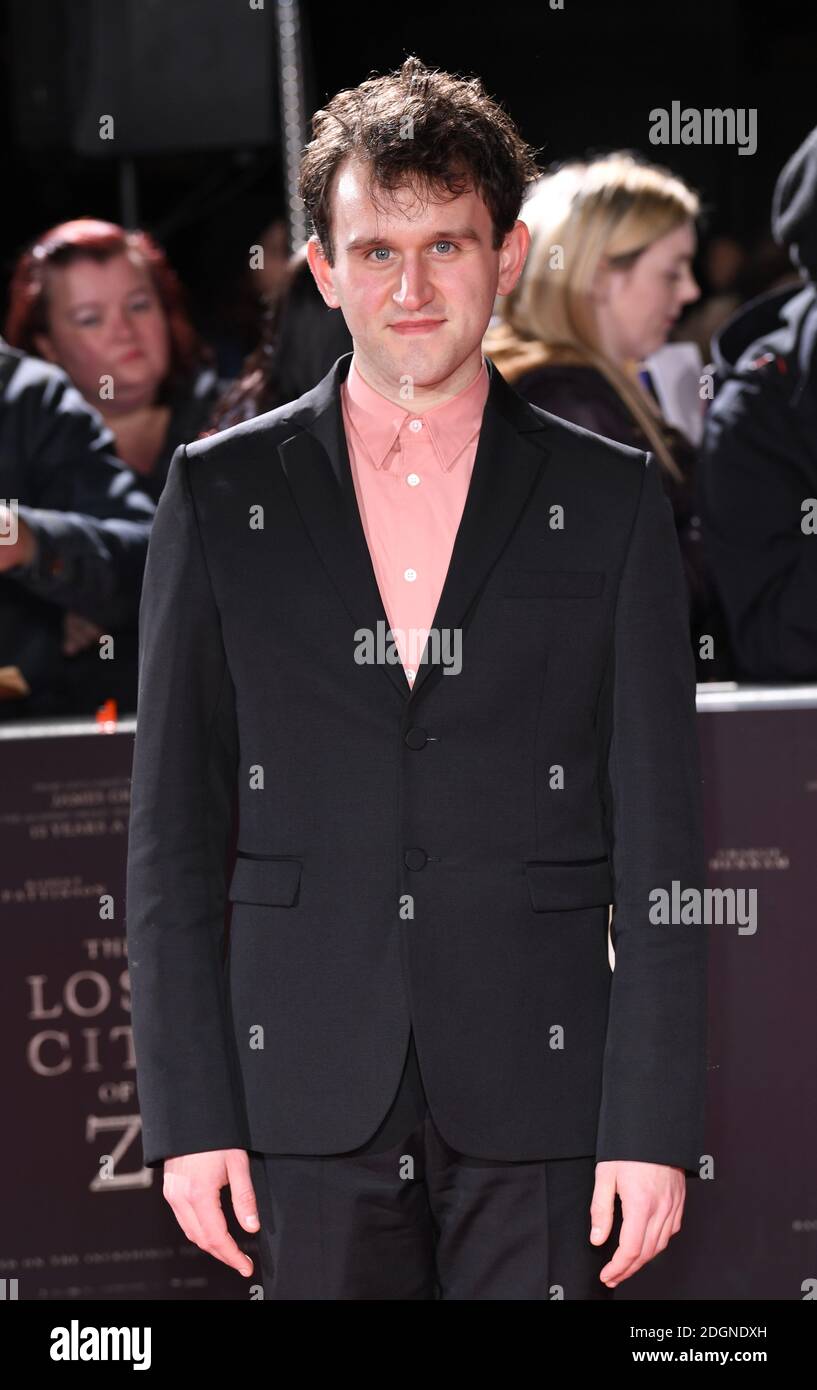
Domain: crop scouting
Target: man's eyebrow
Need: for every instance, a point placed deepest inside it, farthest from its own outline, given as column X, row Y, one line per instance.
column 457, row 234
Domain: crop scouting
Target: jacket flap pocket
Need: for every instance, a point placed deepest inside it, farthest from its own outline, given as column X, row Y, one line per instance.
column 273, row 881
column 558, row 887
column 523, row 583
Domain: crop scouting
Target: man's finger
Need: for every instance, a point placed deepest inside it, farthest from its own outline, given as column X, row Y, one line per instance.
column 242, row 1192
column 216, row 1237
column 602, row 1205
column 187, row 1220
column 679, row 1210
column 656, row 1238
column 630, row 1243
column 665, row 1233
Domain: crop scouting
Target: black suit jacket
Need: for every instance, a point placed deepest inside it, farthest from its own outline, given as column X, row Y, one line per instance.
column 443, row 855
column 91, row 520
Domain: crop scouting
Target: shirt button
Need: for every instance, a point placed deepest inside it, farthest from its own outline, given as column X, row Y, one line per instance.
column 410, row 575
column 410, row 674
column 413, row 479
column 415, row 425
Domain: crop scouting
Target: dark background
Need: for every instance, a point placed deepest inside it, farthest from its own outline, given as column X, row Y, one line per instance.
column 582, row 79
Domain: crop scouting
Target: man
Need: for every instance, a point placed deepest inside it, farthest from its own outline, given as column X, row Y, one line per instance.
column 758, row 476
column 406, row 1065
column 74, row 530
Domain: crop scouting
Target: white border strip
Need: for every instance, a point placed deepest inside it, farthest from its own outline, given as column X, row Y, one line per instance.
column 715, row 698
column 65, row 728
column 711, row 698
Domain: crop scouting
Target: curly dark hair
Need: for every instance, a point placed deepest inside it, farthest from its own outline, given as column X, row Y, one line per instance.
column 422, row 127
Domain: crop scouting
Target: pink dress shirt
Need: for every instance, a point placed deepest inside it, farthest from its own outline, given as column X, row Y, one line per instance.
column 411, row 475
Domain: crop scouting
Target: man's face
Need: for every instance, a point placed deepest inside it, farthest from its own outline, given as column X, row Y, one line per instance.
column 416, row 280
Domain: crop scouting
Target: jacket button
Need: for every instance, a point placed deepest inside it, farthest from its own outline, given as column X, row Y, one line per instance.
column 416, row 738
column 415, row 858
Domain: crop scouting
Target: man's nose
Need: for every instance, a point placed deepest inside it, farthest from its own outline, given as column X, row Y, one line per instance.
column 415, row 287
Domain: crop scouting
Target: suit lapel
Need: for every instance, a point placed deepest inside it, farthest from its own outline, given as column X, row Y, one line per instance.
column 510, row 456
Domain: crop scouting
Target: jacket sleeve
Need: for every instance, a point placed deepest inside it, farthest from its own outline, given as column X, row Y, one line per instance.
column 757, row 469
column 90, row 520
column 183, row 782
column 654, row 1076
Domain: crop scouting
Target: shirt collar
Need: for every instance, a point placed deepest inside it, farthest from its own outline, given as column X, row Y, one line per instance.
column 377, row 421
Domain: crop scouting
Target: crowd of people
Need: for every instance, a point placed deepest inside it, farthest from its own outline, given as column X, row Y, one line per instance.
column 103, row 375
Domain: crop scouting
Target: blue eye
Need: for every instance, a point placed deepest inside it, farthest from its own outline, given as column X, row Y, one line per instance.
column 382, row 260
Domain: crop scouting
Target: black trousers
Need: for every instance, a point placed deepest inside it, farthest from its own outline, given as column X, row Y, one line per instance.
column 406, row 1217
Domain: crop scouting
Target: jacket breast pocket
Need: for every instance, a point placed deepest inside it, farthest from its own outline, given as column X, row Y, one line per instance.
column 528, row 583
column 265, row 880
column 558, row 887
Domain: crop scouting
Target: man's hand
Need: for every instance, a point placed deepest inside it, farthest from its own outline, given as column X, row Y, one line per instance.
column 652, row 1202
column 192, row 1183
column 23, row 549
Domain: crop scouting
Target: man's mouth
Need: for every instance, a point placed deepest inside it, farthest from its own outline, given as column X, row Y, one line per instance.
column 409, row 326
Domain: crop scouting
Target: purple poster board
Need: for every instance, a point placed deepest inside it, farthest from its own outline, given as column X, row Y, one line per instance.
column 81, row 1216
column 750, row 1224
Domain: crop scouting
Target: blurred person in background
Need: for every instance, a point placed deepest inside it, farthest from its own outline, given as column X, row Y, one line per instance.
column 758, row 476
column 104, row 304
column 74, row 531
column 272, row 274
column 301, row 339
column 723, row 263
column 248, row 240
column 731, row 275
column 608, row 275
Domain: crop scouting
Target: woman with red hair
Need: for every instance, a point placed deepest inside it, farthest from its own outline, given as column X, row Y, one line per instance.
column 104, row 304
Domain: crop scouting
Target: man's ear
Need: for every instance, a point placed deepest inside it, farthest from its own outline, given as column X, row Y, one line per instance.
column 512, row 256
column 322, row 272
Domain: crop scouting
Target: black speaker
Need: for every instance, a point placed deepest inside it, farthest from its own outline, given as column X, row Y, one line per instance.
column 155, row 76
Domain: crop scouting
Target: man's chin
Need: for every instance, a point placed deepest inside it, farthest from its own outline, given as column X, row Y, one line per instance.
column 423, row 358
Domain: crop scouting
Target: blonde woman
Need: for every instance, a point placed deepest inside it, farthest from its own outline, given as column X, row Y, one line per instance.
column 608, row 274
